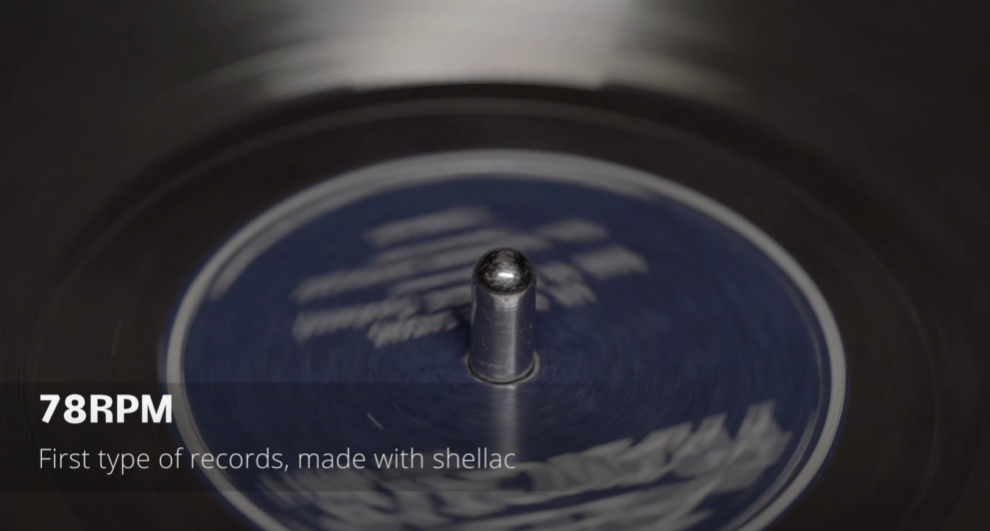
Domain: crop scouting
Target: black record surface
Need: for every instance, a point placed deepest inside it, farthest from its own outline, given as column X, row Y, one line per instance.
column 846, row 133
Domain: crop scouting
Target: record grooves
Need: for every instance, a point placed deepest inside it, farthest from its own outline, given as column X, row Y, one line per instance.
column 734, row 329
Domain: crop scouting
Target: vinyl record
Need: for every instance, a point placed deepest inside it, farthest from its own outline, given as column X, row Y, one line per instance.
column 738, row 321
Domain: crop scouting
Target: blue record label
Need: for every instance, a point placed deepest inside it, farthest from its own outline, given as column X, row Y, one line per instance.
column 690, row 374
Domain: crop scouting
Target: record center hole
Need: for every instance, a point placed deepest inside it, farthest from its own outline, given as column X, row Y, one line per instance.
column 528, row 375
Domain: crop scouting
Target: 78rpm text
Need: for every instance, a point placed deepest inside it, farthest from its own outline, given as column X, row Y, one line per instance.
column 108, row 409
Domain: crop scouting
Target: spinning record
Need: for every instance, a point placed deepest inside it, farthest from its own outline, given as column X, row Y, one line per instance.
column 507, row 266
column 682, row 337
column 689, row 374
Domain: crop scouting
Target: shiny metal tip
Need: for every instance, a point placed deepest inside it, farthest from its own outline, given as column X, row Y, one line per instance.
column 504, row 272
column 503, row 307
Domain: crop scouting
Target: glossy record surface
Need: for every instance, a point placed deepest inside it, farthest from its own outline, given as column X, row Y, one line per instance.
column 890, row 96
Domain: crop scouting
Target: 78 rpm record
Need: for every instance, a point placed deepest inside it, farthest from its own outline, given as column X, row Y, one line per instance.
column 628, row 420
column 467, row 294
